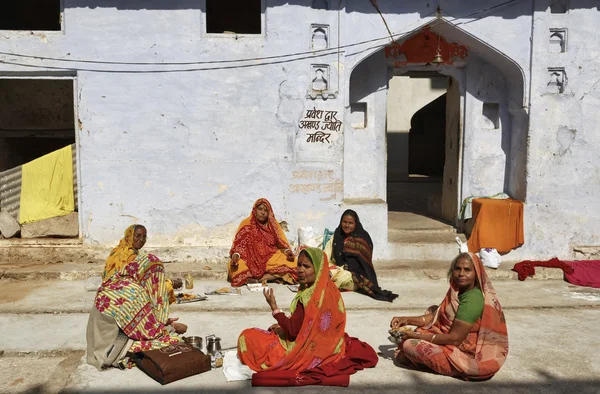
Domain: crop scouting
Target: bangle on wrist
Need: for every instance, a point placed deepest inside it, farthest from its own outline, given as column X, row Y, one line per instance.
column 275, row 311
column 423, row 317
column 433, row 338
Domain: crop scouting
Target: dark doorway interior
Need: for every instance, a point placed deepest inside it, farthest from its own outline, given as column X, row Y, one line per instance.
column 426, row 140
column 417, row 136
column 36, row 118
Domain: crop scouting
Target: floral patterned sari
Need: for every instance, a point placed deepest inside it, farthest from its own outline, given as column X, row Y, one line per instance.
column 122, row 254
column 136, row 297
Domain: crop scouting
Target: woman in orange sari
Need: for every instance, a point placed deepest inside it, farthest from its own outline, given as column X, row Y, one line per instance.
column 260, row 250
column 466, row 337
column 311, row 346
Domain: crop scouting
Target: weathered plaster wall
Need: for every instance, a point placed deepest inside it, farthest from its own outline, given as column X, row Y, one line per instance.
column 188, row 152
column 563, row 181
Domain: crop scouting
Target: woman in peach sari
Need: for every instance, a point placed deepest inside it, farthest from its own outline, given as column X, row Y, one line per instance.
column 466, row 337
column 260, row 250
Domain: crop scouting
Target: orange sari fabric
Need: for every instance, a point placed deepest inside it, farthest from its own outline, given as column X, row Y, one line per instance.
column 484, row 350
column 256, row 243
column 121, row 255
column 321, row 337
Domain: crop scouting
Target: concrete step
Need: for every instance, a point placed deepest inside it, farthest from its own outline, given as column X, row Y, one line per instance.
column 68, row 297
column 405, row 269
column 424, row 245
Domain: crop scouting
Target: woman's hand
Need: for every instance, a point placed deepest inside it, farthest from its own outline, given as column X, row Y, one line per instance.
column 180, row 328
column 399, row 321
column 234, row 261
column 171, row 320
column 411, row 335
column 289, row 254
column 270, row 297
column 274, row 327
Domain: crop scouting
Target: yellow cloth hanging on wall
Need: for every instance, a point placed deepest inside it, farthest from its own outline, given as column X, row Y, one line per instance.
column 47, row 186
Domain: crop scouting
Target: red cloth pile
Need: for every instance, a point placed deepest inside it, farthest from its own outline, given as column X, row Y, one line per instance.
column 527, row 268
column 580, row 273
column 359, row 355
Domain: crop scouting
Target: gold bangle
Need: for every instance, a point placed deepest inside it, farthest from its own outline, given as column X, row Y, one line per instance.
column 423, row 317
column 433, row 338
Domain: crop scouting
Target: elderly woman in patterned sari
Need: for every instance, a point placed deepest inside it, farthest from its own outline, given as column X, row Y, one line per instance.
column 131, row 309
column 127, row 251
column 350, row 253
column 466, row 336
column 260, row 250
column 311, row 346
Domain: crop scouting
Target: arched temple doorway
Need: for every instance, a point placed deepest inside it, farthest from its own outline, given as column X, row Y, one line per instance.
column 444, row 130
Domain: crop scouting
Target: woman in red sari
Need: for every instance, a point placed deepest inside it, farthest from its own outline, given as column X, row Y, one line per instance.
column 260, row 250
column 466, row 337
column 311, row 346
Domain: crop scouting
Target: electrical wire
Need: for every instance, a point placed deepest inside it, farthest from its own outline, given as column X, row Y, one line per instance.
column 258, row 61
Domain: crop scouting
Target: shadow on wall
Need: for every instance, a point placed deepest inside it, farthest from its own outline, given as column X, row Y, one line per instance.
column 459, row 9
column 426, row 140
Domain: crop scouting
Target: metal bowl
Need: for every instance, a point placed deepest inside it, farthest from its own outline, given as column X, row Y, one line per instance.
column 194, row 341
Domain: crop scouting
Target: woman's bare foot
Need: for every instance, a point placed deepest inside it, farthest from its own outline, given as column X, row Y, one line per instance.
column 400, row 357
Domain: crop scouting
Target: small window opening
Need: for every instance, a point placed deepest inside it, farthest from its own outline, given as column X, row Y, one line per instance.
column 491, row 115
column 558, row 40
column 30, row 15
column 320, row 5
column 234, row 16
column 559, row 7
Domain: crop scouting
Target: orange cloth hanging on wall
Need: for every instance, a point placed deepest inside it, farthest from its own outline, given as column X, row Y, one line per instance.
column 498, row 225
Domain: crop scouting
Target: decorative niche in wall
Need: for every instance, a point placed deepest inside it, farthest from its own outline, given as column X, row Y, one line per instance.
column 558, row 80
column 358, row 115
column 320, row 82
column 490, row 116
column 320, row 4
column 559, row 6
column 558, row 40
column 319, row 37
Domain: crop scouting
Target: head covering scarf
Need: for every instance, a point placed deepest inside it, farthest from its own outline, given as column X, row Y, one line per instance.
column 360, row 240
column 354, row 252
column 121, row 254
column 321, row 337
column 257, row 242
column 136, row 297
column 484, row 351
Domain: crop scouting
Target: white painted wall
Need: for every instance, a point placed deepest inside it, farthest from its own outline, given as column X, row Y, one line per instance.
column 188, row 152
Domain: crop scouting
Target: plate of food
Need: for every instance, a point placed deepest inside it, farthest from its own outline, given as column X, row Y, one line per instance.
column 225, row 291
column 396, row 334
column 253, row 287
column 184, row 298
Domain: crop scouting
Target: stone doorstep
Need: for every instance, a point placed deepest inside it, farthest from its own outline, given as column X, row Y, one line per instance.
column 386, row 270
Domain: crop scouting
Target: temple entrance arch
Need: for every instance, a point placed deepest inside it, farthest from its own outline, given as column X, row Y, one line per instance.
column 485, row 130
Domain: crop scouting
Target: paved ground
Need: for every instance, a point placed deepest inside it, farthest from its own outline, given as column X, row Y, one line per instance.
column 552, row 333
